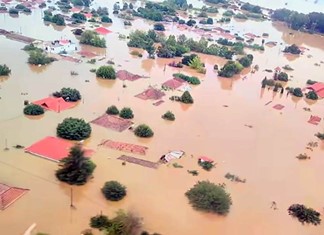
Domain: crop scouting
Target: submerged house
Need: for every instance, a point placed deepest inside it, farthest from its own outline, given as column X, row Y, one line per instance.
column 176, row 154
column 62, row 46
column 317, row 87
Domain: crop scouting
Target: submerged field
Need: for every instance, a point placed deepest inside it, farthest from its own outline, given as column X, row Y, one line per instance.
column 228, row 122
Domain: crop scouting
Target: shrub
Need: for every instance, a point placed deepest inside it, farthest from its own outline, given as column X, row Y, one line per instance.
column 206, row 165
column 312, row 95
column 283, row 77
column 186, row 98
column 126, row 113
column 159, row 27
column 114, row 191
column 106, row 19
column 99, row 221
column 207, row 196
column 33, row 109
column 37, row 57
column 304, row 214
column 68, row 94
column 310, row 82
column 125, row 223
column 112, row 110
column 241, row 16
column 168, row 116
column 73, row 129
column 191, row 80
column 4, row 70
column 143, row 131
column 58, row 19
column 106, row 72
column 92, row 38
column 210, row 21
column 26, row 10
column 293, row 49
column 76, row 168
column 13, row 11
column 298, row 92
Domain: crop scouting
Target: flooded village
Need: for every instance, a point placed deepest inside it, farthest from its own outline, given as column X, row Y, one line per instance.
column 177, row 117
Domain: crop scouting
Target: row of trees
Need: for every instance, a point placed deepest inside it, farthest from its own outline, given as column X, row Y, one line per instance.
column 57, row 19
column 172, row 46
column 312, row 22
column 126, row 113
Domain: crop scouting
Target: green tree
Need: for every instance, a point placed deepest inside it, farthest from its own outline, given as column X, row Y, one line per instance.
column 312, row 95
column 304, row 214
column 210, row 21
column 143, row 131
column 4, row 70
column 168, row 116
column 76, row 168
column 106, row 19
column 37, row 57
column 298, row 92
column 186, row 98
column 126, row 113
column 124, row 223
column 79, row 16
column 320, row 135
column 196, row 63
column 187, row 58
column 159, row 27
column 106, row 72
column 230, row 69
column 33, row 109
column 58, row 19
column 246, row 61
column 293, row 49
column 99, row 221
column 191, row 80
column 283, row 77
column 73, row 129
column 207, row 196
column 112, row 110
column 92, row 38
column 68, row 94
column 114, row 191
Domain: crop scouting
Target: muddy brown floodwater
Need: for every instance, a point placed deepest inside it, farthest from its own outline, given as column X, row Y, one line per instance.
column 264, row 154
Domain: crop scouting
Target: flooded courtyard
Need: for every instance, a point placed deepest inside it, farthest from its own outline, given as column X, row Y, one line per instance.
column 216, row 125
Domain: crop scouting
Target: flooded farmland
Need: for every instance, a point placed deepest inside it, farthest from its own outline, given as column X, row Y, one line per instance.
column 216, row 125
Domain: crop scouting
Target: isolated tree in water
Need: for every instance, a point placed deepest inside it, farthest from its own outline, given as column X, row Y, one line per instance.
column 76, row 168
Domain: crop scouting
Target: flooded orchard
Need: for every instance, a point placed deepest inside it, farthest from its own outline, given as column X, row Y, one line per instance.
column 229, row 122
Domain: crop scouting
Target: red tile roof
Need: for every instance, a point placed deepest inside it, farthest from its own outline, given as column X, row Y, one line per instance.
column 55, row 104
column 173, row 84
column 9, row 195
column 318, row 88
column 102, row 30
column 53, row 148
column 205, row 159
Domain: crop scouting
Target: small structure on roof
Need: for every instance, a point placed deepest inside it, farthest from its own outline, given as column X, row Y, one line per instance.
column 176, row 154
column 62, row 46
column 8, row 195
column 102, row 30
column 113, row 122
column 55, row 104
column 125, row 75
column 318, row 87
column 53, row 148
column 151, row 94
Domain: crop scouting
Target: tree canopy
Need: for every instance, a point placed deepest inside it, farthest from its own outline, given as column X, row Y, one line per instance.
column 75, row 168
column 4, row 70
column 304, row 214
column 73, row 129
column 106, row 72
column 92, row 38
column 209, row 197
column 33, row 109
column 126, row 113
column 143, row 131
column 186, row 98
column 37, row 57
column 114, row 191
column 68, row 94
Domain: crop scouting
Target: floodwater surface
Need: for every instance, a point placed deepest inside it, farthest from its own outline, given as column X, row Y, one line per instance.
column 216, row 125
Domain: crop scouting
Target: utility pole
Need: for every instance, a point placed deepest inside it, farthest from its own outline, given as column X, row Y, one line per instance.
column 6, row 145
column 71, row 194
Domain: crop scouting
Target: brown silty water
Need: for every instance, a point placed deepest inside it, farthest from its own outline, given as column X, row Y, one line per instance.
column 264, row 154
